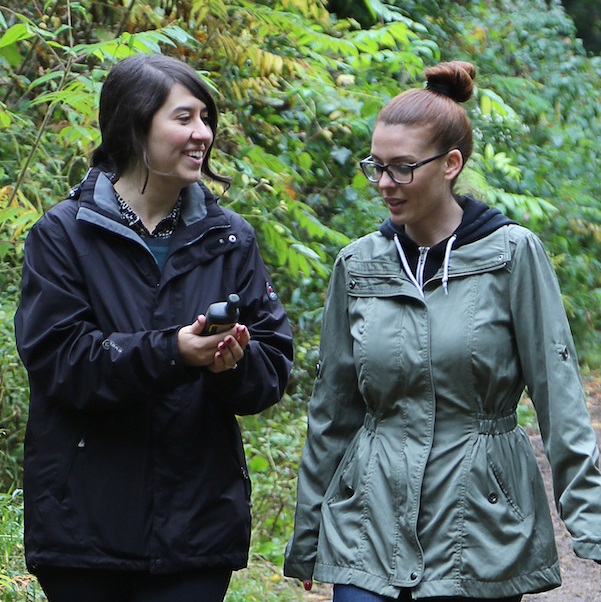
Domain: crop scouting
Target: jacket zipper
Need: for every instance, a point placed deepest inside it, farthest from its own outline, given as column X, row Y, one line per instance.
column 421, row 265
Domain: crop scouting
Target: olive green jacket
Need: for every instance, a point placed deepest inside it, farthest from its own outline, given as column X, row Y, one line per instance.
column 415, row 473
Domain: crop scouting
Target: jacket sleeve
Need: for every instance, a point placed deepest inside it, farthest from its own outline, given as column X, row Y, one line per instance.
column 260, row 378
column 336, row 412
column 65, row 352
column 552, row 375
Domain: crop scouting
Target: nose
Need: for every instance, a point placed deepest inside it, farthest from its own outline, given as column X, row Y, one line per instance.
column 201, row 131
column 386, row 181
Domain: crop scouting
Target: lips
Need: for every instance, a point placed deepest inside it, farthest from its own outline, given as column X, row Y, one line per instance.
column 197, row 154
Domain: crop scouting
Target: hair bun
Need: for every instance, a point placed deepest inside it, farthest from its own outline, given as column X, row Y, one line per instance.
column 454, row 79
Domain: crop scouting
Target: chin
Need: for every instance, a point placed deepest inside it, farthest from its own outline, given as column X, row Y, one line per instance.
column 188, row 179
column 397, row 221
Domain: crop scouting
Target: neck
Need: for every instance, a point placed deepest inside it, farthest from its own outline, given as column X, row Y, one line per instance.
column 438, row 228
column 151, row 205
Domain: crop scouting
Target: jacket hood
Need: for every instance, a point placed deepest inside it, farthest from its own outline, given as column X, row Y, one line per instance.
column 421, row 263
column 478, row 221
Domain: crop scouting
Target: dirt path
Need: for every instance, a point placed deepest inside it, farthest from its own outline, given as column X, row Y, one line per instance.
column 581, row 578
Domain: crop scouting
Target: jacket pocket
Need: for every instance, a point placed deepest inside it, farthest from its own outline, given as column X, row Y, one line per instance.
column 71, row 459
column 505, row 524
column 342, row 533
column 349, row 478
column 375, row 279
column 500, row 487
column 247, row 483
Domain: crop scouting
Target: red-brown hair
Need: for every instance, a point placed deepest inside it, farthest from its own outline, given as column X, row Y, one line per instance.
column 437, row 107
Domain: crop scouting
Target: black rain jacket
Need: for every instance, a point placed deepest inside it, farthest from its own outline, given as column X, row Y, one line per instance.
column 134, row 461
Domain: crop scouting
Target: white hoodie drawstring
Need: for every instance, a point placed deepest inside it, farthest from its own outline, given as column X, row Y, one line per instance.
column 406, row 266
column 445, row 265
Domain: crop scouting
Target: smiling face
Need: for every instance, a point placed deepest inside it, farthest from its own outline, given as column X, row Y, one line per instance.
column 426, row 205
column 177, row 141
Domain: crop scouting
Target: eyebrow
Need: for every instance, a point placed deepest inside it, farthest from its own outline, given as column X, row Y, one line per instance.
column 394, row 160
column 203, row 111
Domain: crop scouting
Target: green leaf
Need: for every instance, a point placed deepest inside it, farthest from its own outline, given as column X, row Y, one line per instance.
column 5, row 119
column 492, row 104
column 15, row 34
column 258, row 464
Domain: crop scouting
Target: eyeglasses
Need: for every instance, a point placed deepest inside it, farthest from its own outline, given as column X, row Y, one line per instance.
column 401, row 173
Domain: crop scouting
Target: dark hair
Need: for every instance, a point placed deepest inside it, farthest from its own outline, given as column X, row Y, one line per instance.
column 132, row 93
column 436, row 106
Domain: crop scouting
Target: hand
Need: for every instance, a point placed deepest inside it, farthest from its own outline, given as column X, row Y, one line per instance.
column 308, row 584
column 217, row 352
column 230, row 350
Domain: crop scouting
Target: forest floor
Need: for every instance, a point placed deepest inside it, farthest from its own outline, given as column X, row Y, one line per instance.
column 581, row 578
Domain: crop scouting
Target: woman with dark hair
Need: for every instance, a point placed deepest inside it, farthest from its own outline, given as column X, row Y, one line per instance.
column 416, row 481
column 135, row 482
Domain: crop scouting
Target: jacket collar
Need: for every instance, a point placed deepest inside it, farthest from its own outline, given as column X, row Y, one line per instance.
column 479, row 220
column 421, row 263
column 98, row 204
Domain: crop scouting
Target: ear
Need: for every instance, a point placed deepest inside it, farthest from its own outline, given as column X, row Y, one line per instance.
column 454, row 164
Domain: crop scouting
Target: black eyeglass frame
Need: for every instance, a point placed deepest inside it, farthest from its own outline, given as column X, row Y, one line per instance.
column 385, row 168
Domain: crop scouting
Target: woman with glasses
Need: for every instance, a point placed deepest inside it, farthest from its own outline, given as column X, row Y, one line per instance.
column 136, row 487
column 416, row 481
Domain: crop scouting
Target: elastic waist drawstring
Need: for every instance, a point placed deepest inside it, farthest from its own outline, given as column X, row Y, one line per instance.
column 445, row 263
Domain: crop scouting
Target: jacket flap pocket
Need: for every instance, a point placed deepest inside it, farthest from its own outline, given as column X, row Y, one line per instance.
column 375, row 278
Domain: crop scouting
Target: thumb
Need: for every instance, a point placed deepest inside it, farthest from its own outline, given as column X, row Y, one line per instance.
column 198, row 325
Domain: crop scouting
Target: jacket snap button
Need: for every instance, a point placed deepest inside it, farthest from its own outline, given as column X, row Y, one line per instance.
column 493, row 498
column 352, row 284
column 349, row 491
column 413, row 576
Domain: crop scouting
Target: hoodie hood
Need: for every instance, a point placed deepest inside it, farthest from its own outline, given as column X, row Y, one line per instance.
column 421, row 263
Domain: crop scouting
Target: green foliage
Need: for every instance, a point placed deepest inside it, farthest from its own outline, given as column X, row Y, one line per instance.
column 14, row 583
column 263, row 582
column 299, row 87
column 13, row 395
column 274, row 444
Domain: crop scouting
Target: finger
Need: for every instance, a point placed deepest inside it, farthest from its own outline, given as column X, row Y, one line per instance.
column 227, row 351
column 242, row 335
column 218, row 364
column 231, row 349
column 199, row 324
column 227, row 358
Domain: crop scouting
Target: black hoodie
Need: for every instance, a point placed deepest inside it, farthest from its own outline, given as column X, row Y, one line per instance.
column 478, row 221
